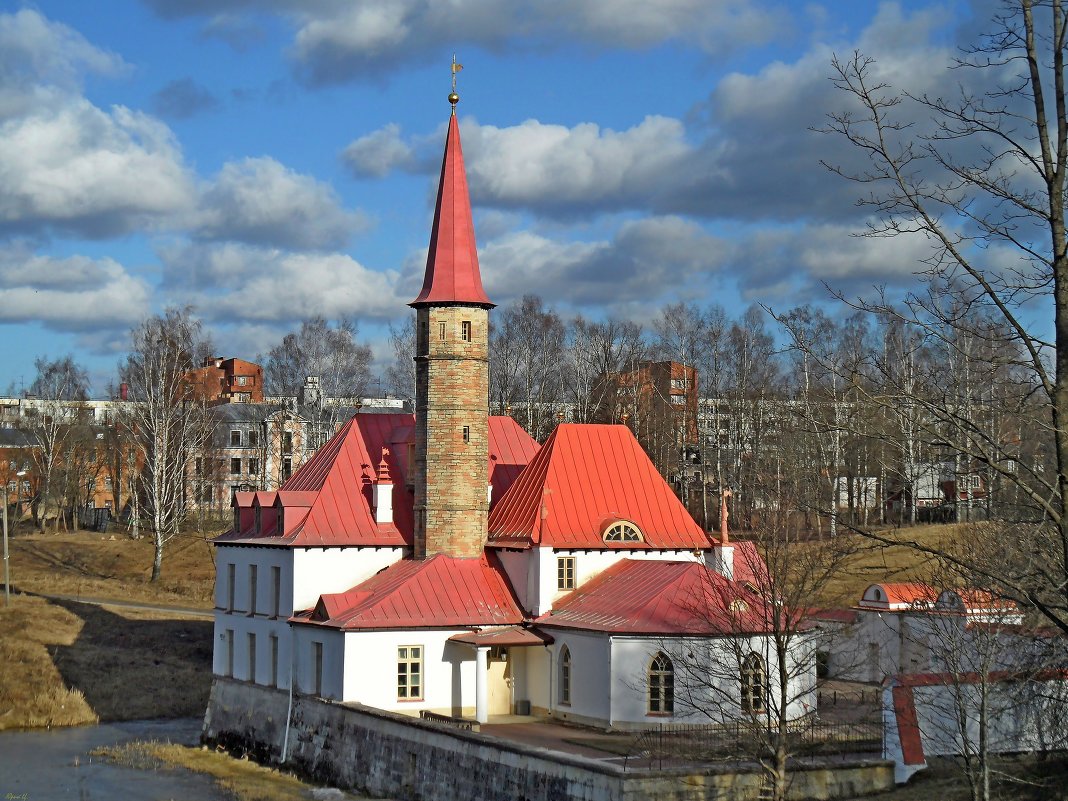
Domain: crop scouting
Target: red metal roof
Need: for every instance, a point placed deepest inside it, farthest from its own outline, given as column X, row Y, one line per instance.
column 908, row 727
column 584, row 478
column 452, row 274
column 901, row 593
column 439, row 592
column 327, row 502
column 648, row 596
column 513, row 636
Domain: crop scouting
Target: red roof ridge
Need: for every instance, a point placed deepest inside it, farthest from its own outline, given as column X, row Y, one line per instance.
column 452, row 274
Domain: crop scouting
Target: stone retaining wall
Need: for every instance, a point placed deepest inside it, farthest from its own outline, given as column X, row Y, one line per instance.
column 387, row 755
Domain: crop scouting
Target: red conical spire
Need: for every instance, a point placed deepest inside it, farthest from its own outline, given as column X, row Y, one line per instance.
column 452, row 274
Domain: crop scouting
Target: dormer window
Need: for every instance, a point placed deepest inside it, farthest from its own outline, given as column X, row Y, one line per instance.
column 279, row 527
column 622, row 532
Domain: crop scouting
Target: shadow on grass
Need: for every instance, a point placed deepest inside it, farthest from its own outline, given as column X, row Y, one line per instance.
column 132, row 668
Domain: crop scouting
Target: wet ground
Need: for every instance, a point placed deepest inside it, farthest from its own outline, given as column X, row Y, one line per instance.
column 55, row 765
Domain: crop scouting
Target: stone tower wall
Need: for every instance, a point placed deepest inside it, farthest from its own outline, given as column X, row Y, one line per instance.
column 452, row 391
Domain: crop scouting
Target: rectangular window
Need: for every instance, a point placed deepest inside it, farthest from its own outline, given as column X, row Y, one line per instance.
column 235, row 437
column 410, row 673
column 253, row 467
column 678, row 400
column 467, row 433
column 317, row 666
column 565, row 573
column 253, row 575
column 252, row 657
column 287, row 442
column 231, row 573
column 235, row 467
column 253, row 438
column 441, row 331
column 229, row 652
column 242, row 380
column 274, row 660
column 276, row 591
column 465, row 330
column 287, row 467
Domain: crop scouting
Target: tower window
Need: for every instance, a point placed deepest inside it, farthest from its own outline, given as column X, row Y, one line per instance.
column 441, row 331
column 465, row 330
column 467, row 433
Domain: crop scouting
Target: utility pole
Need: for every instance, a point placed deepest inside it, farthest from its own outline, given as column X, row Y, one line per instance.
column 7, row 561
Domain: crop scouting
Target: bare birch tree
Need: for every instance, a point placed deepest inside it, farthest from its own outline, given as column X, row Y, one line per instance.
column 52, row 421
column 168, row 419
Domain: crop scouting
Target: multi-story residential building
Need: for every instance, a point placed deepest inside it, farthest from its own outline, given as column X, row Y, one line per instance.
column 230, row 380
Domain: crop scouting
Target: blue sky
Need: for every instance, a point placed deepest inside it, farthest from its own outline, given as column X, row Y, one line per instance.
column 270, row 160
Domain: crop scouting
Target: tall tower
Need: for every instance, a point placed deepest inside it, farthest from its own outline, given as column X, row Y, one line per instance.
column 451, row 374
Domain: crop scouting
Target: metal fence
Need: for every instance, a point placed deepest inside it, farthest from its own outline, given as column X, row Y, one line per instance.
column 751, row 740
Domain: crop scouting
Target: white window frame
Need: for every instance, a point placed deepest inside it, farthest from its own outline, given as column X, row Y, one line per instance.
column 409, row 656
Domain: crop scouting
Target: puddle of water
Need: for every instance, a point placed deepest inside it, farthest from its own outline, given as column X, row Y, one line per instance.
column 55, row 765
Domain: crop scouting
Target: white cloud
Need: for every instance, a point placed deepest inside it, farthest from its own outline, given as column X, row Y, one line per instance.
column 236, row 283
column 82, row 169
column 336, row 42
column 70, row 294
column 263, row 202
column 378, row 153
column 645, row 261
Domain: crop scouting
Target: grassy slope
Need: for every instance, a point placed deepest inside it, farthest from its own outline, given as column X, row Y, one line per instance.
column 70, row 663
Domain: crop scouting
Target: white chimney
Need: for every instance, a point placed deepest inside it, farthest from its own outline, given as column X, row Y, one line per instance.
column 382, row 491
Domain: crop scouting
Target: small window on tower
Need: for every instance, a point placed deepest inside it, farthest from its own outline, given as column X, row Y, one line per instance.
column 465, row 330
column 441, row 331
column 467, row 433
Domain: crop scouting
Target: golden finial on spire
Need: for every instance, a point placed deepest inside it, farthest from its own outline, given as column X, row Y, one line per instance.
column 453, row 97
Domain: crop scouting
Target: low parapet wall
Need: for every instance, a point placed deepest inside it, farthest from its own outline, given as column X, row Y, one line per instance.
column 386, row 755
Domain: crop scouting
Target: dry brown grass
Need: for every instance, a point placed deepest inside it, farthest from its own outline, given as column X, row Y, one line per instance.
column 244, row 780
column 874, row 562
column 91, row 565
column 33, row 692
column 69, row 663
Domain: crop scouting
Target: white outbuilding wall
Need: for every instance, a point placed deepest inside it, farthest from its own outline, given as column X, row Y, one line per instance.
column 277, row 582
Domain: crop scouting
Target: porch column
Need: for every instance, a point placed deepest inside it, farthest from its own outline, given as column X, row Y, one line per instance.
column 481, row 694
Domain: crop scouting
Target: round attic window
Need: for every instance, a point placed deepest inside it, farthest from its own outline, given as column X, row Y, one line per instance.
column 622, row 532
column 878, row 594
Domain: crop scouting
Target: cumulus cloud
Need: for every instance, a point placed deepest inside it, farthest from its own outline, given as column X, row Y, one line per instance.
column 644, row 261
column 796, row 263
column 378, row 153
column 260, row 201
column 69, row 294
column 237, row 283
column 336, row 42
column 183, row 98
column 96, row 173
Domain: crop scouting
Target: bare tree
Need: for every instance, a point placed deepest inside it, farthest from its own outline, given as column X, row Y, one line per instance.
column 400, row 375
column 169, row 419
column 980, row 178
column 760, row 681
column 595, row 352
column 52, row 419
column 330, row 352
column 526, row 354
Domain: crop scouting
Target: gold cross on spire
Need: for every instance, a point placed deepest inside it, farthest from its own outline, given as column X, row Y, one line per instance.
column 453, row 97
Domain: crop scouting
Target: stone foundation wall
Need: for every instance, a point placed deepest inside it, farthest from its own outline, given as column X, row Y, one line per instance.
column 386, row 755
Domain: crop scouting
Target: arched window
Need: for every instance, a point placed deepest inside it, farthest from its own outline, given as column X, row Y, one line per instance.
column 622, row 532
column 661, row 686
column 754, row 684
column 565, row 676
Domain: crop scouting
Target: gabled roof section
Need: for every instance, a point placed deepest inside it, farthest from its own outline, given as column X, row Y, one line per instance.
column 653, row 597
column 439, row 592
column 584, row 478
column 328, row 500
column 898, row 596
column 452, row 274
